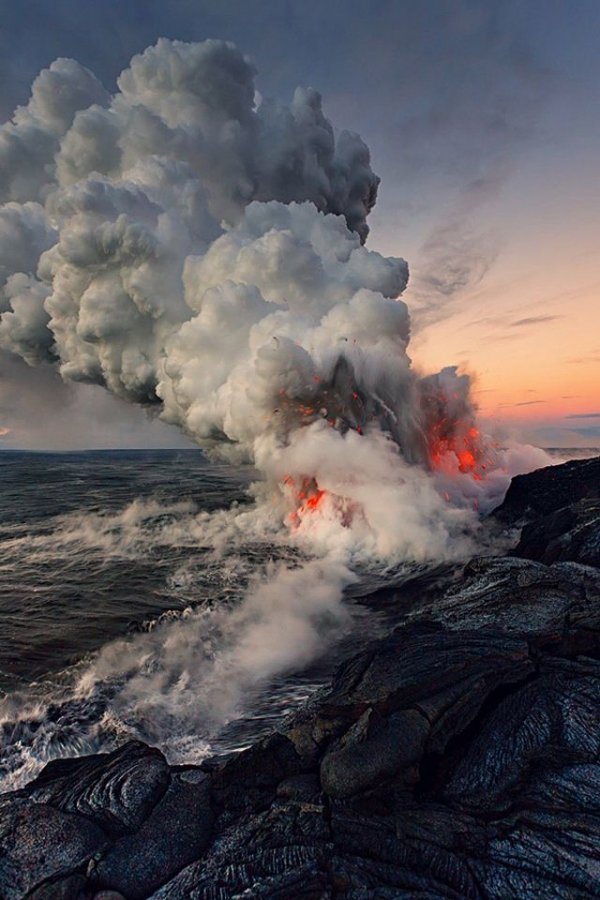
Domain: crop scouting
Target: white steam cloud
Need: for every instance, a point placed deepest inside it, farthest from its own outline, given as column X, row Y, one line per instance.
column 187, row 244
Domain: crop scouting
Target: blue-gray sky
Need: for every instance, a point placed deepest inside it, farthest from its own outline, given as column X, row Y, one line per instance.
column 483, row 123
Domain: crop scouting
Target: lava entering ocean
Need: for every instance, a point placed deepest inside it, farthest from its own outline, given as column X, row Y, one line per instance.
column 440, row 437
column 189, row 247
column 305, row 497
column 198, row 250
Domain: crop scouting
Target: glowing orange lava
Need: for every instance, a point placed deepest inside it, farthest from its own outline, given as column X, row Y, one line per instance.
column 446, row 442
column 305, row 494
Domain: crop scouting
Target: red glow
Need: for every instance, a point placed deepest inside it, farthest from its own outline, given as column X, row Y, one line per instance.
column 466, row 460
column 306, row 495
column 315, row 501
column 449, row 441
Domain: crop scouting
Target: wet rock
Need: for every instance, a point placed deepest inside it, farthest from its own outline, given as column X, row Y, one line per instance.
column 554, row 719
column 390, row 748
column 250, row 779
column 69, row 888
column 281, row 852
column 515, row 595
column 175, row 833
column 39, row 843
column 116, row 790
column 424, row 660
column 64, row 821
column 419, row 686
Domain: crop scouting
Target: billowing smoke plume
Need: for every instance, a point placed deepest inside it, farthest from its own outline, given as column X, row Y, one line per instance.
column 189, row 245
column 129, row 194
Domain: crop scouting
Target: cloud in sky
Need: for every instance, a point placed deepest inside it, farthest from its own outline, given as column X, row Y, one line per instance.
column 451, row 261
column 529, row 402
column 583, row 360
column 534, row 320
column 551, row 434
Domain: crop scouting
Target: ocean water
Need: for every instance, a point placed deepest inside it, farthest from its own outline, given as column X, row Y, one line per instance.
column 119, row 587
column 136, row 601
column 71, row 578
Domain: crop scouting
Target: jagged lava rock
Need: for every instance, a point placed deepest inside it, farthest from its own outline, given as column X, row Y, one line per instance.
column 570, row 533
column 559, row 509
column 117, row 791
column 486, row 789
column 546, row 490
column 122, row 821
column 516, row 595
column 457, row 757
column 174, row 834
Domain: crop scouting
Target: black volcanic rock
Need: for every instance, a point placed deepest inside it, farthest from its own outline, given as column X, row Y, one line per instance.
column 457, row 757
column 559, row 509
column 439, row 764
column 39, row 842
column 117, row 791
column 570, row 533
column 440, row 774
column 547, row 490
column 175, row 833
column 517, row 595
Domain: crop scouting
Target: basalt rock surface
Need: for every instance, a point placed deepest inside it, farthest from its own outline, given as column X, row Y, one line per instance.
column 570, row 533
column 459, row 757
column 559, row 509
column 547, row 490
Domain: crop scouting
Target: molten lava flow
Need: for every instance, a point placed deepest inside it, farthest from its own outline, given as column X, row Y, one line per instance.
column 306, row 496
column 450, row 443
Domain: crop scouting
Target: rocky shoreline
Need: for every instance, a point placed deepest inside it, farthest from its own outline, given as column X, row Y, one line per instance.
column 457, row 757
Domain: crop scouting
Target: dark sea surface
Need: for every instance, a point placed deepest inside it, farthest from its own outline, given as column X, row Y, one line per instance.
column 119, row 581
column 62, row 596
column 101, row 545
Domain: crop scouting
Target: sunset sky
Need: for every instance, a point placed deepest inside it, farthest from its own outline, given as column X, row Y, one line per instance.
column 483, row 120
